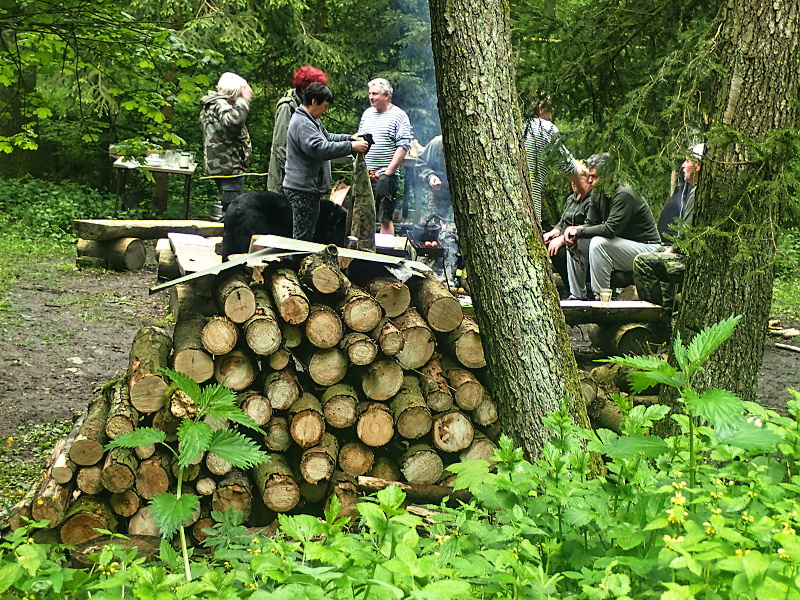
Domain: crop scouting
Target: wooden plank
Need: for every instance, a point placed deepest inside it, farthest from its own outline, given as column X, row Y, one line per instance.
column 577, row 312
column 194, row 253
column 112, row 229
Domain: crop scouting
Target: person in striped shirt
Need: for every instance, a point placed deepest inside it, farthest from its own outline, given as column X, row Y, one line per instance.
column 543, row 146
column 391, row 134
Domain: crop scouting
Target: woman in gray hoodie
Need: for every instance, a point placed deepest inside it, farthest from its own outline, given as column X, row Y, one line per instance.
column 309, row 150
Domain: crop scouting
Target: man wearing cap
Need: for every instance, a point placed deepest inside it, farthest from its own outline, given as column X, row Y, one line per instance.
column 656, row 273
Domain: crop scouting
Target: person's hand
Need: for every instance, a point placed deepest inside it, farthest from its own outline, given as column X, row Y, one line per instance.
column 555, row 244
column 550, row 235
column 246, row 91
column 434, row 182
column 359, row 145
column 571, row 234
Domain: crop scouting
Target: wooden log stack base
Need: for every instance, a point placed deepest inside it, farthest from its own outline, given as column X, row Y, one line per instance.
column 122, row 254
column 376, row 380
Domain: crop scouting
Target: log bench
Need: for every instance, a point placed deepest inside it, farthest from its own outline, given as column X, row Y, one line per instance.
column 616, row 327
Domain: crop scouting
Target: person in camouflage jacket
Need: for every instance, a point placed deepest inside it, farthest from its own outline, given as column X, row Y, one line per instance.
column 226, row 141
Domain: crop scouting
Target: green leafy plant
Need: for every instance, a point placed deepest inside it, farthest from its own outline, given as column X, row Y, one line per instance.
column 195, row 437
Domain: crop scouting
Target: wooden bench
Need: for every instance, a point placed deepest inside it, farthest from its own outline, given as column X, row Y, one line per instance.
column 616, row 327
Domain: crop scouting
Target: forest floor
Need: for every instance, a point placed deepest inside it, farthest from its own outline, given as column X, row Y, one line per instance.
column 64, row 333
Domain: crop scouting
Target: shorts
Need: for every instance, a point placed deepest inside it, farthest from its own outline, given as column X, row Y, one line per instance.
column 385, row 191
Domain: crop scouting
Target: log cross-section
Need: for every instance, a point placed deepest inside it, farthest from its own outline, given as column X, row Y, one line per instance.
column 149, row 355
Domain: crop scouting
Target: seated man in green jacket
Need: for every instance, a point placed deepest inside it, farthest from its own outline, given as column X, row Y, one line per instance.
column 619, row 226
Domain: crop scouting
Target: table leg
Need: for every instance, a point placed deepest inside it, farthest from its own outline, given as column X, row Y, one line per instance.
column 187, row 186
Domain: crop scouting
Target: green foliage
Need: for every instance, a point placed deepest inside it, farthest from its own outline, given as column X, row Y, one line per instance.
column 195, row 437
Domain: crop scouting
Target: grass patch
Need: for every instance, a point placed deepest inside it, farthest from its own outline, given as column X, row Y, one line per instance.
column 786, row 299
column 23, row 456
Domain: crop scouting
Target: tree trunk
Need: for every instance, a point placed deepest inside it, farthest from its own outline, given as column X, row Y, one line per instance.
column 87, row 449
column 88, row 480
column 393, row 295
column 388, row 337
column 256, row 406
column 422, row 464
column 467, row 390
column 262, row 331
column 731, row 269
column 122, row 417
column 434, row 386
column 85, row 517
column 323, row 326
column 360, row 349
column 419, row 342
column 189, row 356
column 339, row 404
column 320, row 272
column 356, row 458
column 381, row 380
column 411, row 414
column 235, row 492
column 464, row 342
column 375, row 425
column 235, row 370
column 119, row 470
column 153, row 476
column 435, row 303
column 276, row 434
column 360, row 311
column 290, row 300
column 219, row 335
column 318, row 462
column 276, row 484
column 307, row 421
column 63, row 468
column 281, row 388
column 452, row 431
column 235, row 299
column 528, row 352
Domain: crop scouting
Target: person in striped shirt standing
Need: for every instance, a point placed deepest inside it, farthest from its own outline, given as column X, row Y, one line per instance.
column 543, row 146
column 391, row 134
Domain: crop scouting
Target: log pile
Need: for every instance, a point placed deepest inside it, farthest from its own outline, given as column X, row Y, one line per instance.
column 352, row 385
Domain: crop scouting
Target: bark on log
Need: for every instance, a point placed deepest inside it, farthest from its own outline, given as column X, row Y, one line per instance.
column 144, row 452
column 452, row 431
column 277, row 484
column 168, row 268
column 393, row 295
column 313, row 493
column 486, row 412
column 88, row 480
column 168, row 423
column 319, row 462
column 290, row 300
column 181, row 404
column 111, row 229
column 256, row 406
column 375, row 425
column 434, row 386
column 123, row 254
column 468, row 391
column 360, row 311
column 63, row 468
column 421, row 464
column 220, row 335
column 119, row 470
column 122, row 417
column 281, row 388
column 411, row 414
column 88, row 446
column 385, row 467
column 356, row 458
column 51, row 503
column 428, row 494
column 153, row 476
column 184, row 297
column 419, row 341
column 307, row 421
column 435, row 303
column 627, row 339
column 279, row 359
column 481, row 448
column 234, row 298
column 292, row 335
column 262, row 331
column 85, row 517
column 609, row 417
column 276, row 434
column 235, row 370
column 339, row 405
column 388, row 337
column 382, row 379
column 320, row 272
column 346, row 491
column 149, row 354
column 125, row 504
column 323, row 327
column 20, row 513
column 360, row 349
column 189, row 355
column 465, row 344
column 234, row 491
column 589, row 390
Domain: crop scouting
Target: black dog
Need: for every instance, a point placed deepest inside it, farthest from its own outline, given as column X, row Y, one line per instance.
column 267, row 213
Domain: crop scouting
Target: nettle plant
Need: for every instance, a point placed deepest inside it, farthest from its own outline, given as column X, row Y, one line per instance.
column 196, row 436
column 709, row 513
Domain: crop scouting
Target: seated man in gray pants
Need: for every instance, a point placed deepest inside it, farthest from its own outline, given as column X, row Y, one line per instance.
column 618, row 226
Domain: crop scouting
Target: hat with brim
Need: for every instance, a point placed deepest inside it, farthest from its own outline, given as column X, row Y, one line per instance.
column 696, row 152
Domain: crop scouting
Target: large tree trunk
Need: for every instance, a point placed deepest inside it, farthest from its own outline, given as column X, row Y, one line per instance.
column 730, row 269
column 527, row 349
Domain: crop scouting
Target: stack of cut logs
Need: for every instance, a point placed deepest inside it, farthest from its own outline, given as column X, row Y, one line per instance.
column 355, row 380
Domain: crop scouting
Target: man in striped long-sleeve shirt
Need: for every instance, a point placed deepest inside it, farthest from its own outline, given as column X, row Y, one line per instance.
column 391, row 134
column 543, row 146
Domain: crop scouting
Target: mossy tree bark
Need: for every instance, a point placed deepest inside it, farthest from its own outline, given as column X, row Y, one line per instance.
column 730, row 265
column 528, row 353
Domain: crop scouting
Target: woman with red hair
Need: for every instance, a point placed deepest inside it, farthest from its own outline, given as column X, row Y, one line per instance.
column 303, row 77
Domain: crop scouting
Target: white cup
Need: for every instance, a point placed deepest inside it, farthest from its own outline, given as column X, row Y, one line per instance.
column 185, row 160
